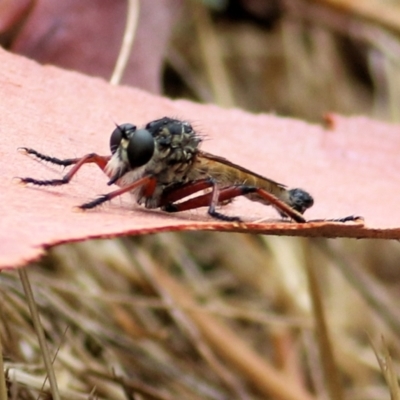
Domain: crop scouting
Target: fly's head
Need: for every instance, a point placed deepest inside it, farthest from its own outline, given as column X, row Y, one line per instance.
column 131, row 148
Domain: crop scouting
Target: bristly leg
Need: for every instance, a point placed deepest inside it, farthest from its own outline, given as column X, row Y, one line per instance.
column 50, row 182
column 215, row 193
column 349, row 218
column 43, row 157
column 171, row 207
column 210, row 199
column 222, row 217
column 94, row 203
column 100, row 161
column 218, row 196
column 147, row 182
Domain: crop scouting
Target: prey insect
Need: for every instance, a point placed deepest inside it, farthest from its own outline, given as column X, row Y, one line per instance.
column 162, row 165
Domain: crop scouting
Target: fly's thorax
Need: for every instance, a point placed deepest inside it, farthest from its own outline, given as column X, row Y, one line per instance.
column 176, row 146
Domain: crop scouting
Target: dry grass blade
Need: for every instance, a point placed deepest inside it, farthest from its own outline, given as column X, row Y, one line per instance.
column 328, row 363
column 40, row 333
column 229, row 346
column 388, row 369
column 146, row 390
column 3, row 387
column 148, row 268
column 16, row 376
column 211, row 54
column 139, row 319
column 386, row 14
column 187, row 325
column 375, row 293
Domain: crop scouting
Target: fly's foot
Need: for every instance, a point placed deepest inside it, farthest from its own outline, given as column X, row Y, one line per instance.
column 350, row 218
column 174, row 208
column 223, row 217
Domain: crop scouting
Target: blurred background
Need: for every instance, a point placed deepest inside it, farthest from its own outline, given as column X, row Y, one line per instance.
column 205, row 315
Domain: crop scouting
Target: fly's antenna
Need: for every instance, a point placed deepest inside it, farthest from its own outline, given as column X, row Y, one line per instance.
column 121, row 129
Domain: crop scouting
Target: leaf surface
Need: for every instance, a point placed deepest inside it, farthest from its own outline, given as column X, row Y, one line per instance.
column 351, row 167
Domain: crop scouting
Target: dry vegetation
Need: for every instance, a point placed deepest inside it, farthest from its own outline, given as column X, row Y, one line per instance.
column 228, row 316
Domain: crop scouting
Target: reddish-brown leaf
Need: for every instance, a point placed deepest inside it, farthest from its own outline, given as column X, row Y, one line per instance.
column 350, row 168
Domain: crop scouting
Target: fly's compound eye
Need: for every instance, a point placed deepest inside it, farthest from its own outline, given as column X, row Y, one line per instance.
column 140, row 148
column 121, row 131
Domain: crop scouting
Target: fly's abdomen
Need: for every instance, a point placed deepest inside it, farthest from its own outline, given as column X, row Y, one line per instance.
column 227, row 174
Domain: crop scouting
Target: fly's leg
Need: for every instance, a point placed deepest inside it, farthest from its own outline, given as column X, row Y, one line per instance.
column 349, row 218
column 65, row 163
column 283, row 208
column 175, row 193
column 100, row 161
column 148, row 182
column 215, row 199
column 212, row 199
column 229, row 194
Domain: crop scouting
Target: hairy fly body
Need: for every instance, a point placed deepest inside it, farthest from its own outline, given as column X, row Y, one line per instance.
column 162, row 165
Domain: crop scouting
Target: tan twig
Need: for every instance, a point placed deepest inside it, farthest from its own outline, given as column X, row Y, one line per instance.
column 127, row 42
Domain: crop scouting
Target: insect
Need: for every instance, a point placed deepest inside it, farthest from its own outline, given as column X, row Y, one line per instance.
column 162, row 165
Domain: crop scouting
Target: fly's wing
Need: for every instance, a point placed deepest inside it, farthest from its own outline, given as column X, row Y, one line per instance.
column 227, row 173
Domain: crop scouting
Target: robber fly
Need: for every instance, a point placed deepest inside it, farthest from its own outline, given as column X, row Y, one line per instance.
column 162, row 165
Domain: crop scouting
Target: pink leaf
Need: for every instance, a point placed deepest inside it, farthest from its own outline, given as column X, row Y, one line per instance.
column 351, row 168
